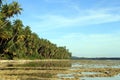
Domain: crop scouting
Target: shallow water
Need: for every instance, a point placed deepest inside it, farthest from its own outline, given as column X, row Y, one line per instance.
column 90, row 73
column 65, row 75
column 107, row 64
column 117, row 77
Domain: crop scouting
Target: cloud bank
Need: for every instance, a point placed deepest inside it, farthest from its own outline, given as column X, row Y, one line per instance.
column 91, row 17
column 91, row 45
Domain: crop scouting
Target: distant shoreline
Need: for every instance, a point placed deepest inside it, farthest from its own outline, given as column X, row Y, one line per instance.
column 98, row 58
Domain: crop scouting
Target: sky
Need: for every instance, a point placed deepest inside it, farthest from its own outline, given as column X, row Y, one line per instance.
column 88, row 28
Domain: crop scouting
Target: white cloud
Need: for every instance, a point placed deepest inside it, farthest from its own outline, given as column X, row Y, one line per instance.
column 91, row 45
column 91, row 17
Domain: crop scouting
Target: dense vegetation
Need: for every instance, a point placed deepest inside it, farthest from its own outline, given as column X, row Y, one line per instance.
column 19, row 42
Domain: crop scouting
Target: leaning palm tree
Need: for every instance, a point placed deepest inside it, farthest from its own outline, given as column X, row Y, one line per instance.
column 16, row 8
column 9, row 10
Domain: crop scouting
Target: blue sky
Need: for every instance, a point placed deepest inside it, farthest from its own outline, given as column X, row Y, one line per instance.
column 88, row 28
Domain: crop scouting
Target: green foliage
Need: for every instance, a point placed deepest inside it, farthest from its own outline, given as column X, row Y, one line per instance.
column 18, row 41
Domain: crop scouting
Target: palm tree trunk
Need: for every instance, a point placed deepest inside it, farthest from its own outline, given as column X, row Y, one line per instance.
column 1, row 42
column 4, row 24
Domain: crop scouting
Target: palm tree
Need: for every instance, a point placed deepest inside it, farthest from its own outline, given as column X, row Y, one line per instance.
column 7, row 11
column 11, row 10
column 17, row 26
column 16, row 8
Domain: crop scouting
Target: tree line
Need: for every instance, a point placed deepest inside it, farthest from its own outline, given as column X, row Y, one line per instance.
column 19, row 42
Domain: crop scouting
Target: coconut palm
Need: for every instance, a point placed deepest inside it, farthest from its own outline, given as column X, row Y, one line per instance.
column 16, row 8
column 9, row 10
